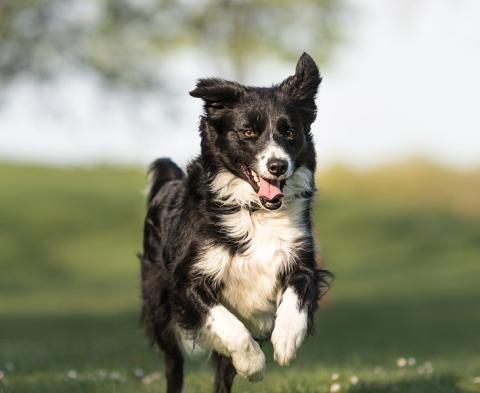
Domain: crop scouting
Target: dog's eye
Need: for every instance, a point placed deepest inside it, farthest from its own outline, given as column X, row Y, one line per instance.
column 249, row 133
column 290, row 134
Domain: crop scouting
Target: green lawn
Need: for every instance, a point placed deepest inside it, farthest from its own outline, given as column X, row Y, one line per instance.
column 407, row 286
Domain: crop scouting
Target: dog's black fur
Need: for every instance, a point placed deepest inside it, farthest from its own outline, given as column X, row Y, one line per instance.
column 185, row 214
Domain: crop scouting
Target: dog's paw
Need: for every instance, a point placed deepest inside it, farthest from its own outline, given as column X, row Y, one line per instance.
column 285, row 344
column 289, row 332
column 250, row 361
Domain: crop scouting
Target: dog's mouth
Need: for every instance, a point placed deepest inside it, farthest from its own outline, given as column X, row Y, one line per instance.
column 269, row 191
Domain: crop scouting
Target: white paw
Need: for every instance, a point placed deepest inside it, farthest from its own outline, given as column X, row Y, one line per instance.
column 250, row 361
column 285, row 344
column 290, row 330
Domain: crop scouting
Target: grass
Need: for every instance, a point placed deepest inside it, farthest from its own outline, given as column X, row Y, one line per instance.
column 406, row 266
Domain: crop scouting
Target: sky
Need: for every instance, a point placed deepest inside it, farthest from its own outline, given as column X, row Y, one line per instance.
column 405, row 83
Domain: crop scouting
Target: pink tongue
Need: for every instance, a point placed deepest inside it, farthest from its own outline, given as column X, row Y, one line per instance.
column 269, row 189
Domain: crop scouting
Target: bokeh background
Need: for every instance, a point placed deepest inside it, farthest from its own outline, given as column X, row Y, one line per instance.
column 92, row 90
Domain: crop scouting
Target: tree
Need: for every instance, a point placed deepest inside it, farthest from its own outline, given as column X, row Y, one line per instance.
column 124, row 41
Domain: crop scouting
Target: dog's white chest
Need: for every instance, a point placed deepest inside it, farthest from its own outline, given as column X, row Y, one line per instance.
column 251, row 286
column 250, row 280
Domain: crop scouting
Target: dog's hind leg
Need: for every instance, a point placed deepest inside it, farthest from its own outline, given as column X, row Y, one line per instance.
column 224, row 373
column 167, row 343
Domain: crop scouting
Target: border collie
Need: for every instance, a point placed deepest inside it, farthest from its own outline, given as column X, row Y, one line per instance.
column 229, row 259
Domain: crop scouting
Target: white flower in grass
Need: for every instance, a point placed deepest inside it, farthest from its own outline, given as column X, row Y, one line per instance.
column 116, row 376
column 335, row 376
column 72, row 374
column 353, row 379
column 138, row 373
column 335, row 387
column 401, row 362
column 102, row 374
column 476, row 380
column 425, row 368
column 2, row 375
column 428, row 367
column 148, row 379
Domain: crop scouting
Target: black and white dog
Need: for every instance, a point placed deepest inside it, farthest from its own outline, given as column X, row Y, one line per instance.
column 229, row 256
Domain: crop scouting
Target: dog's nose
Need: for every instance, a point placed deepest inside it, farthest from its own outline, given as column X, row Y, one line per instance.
column 277, row 167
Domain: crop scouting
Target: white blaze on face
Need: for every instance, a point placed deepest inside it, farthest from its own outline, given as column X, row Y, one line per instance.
column 270, row 152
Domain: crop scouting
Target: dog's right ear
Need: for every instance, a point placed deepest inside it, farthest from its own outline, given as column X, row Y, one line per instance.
column 218, row 93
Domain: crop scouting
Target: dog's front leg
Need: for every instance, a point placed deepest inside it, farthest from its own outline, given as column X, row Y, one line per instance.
column 228, row 336
column 198, row 310
column 291, row 326
column 294, row 317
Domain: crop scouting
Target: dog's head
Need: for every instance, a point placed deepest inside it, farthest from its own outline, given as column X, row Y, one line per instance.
column 261, row 135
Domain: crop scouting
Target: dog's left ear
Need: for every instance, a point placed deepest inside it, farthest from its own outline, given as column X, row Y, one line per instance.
column 302, row 87
column 217, row 93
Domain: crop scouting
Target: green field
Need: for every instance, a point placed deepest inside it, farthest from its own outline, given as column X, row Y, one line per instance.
column 404, row 246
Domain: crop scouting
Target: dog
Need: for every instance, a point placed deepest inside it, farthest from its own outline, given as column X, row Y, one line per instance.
column 228, row 258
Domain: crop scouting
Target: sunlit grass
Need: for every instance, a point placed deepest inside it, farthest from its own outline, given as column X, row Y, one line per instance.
column 413, row 183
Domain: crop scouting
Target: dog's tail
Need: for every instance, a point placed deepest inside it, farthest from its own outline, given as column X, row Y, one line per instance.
column 161, row 171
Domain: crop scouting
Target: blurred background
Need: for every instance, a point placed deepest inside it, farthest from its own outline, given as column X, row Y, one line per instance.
column 92, row 90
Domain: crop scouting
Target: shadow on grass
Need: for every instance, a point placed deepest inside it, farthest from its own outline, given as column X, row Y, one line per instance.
column 357, row 335
column 352, row 337
column 437, row 384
